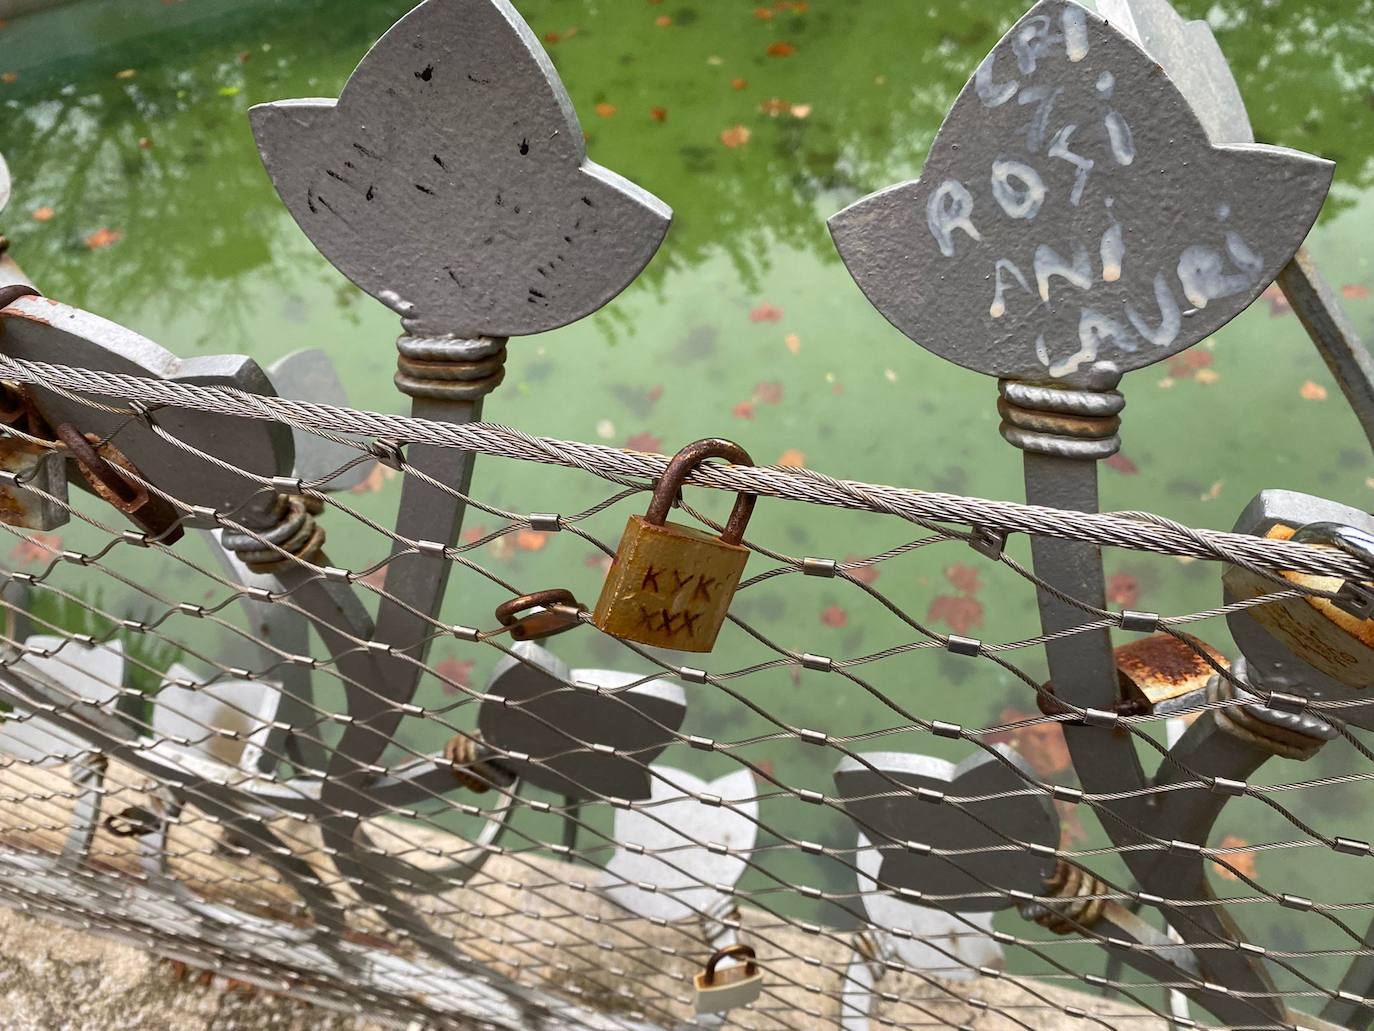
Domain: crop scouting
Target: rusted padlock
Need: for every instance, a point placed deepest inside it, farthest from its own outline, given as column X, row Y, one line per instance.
column 670, row 585
column 26, row 463
column 549, row 612
column 156, row 516
column 732, row 987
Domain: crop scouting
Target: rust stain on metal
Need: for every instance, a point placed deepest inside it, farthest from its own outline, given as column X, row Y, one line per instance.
column 1161, row 666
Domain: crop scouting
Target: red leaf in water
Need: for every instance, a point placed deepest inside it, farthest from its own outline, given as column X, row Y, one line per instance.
column 663, row 21
column 376, row 578
column 1189, row 363
column 1355, row 292
column 551, row 37
column 766, row 767
column 864, row 574
column 1122, row 464
column 375, row 479
column 1123, row 589
column 38, row 547
column 739, row 84
column 765, row 312
column 964, row 578
column 654, row 393
column 473, row 534
column 773, row 106
column 743, row 410
column 658, row 114
column 1040, row 744
column 43, row 214
column 768, row 393
column 530, row 540
column 605, row 110
column 792, row 459
column 735, row 136
column 102, row 238
column 781, row 49
column 763, row 13
column 834, row 616
column 645, row 442
column 1243, row 861
column 957, row 611
column 457, row 670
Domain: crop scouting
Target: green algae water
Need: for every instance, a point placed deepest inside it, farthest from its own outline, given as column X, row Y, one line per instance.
column 138, row 195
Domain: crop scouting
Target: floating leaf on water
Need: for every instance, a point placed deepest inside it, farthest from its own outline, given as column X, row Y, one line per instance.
column 961, row 612
column 645, row 442
column 801, row 110
column 1123, row 589
column 1312, row 391
column 663, row 21
column 36, row 547
column 1122, row 464
column 605, row 110
column 739, row 83
column 765, row 312
column 459, row 671
column 763, row 13
column 781, row 49
column 792, row 459
column 735, row 136
column 658, row 114
column 530, row 540
column 964, row 578
column 834, row 616
column 1040, row 743
column 605, row 429
column 769, row 392
column 863, row 574
column 126, row 73
column 43, row 214
column 102, row 238
column 230, row 91
column 8, row 77
column 1242, row 861
column 1278, row 301
column 1355, row 292
column 793, row 343
column 743, row 410
column 773, row 106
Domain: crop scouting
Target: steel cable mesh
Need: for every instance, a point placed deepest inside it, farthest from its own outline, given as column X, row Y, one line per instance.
column 130, row 814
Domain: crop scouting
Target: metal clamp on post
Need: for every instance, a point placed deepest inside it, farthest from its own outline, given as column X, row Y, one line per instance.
column 449, row 368
column 295, row 535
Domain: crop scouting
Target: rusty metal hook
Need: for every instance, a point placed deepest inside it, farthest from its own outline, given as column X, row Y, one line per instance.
column 154, row 514
column 553, row 618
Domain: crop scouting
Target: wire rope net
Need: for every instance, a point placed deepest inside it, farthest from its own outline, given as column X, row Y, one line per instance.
column 541, row 841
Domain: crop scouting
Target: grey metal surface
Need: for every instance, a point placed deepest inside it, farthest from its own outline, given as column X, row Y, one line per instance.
column 310, row 374
column 529, row 709
column 1073, row 221
column 46, row 330
column 679, row 858
column 1189, row 53
column 881, row 791
column 450, row 179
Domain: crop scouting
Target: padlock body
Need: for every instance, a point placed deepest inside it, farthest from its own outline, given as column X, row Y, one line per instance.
column 669, row 586
column 730, row 988
column 1327, row 638
column 24, row 508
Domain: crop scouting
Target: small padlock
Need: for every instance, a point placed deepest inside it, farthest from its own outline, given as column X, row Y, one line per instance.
column 728, row 989
column 670, row 586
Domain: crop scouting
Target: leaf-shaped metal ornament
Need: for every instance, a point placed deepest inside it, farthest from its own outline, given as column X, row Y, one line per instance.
column 87, row 672
column 1073, row 221
column 882, row 792
column 678, row 856
column 450, row 180
column 44, row 330
column 530, row 709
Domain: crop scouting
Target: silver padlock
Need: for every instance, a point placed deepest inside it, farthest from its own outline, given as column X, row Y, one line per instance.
column 728, row 989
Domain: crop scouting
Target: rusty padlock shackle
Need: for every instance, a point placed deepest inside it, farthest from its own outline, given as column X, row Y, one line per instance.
column 667, row 488
column 736, row 951
column 95, row 464
column 538, row 625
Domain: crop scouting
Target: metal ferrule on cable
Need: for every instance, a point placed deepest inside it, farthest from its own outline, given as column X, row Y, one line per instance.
column 449, row 368
column 1060, row 421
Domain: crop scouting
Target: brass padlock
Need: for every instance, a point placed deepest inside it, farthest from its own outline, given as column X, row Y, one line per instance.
column 670, row 586
column 732, row 987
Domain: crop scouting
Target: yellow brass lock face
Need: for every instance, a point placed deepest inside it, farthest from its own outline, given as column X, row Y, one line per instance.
column 670, row 586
